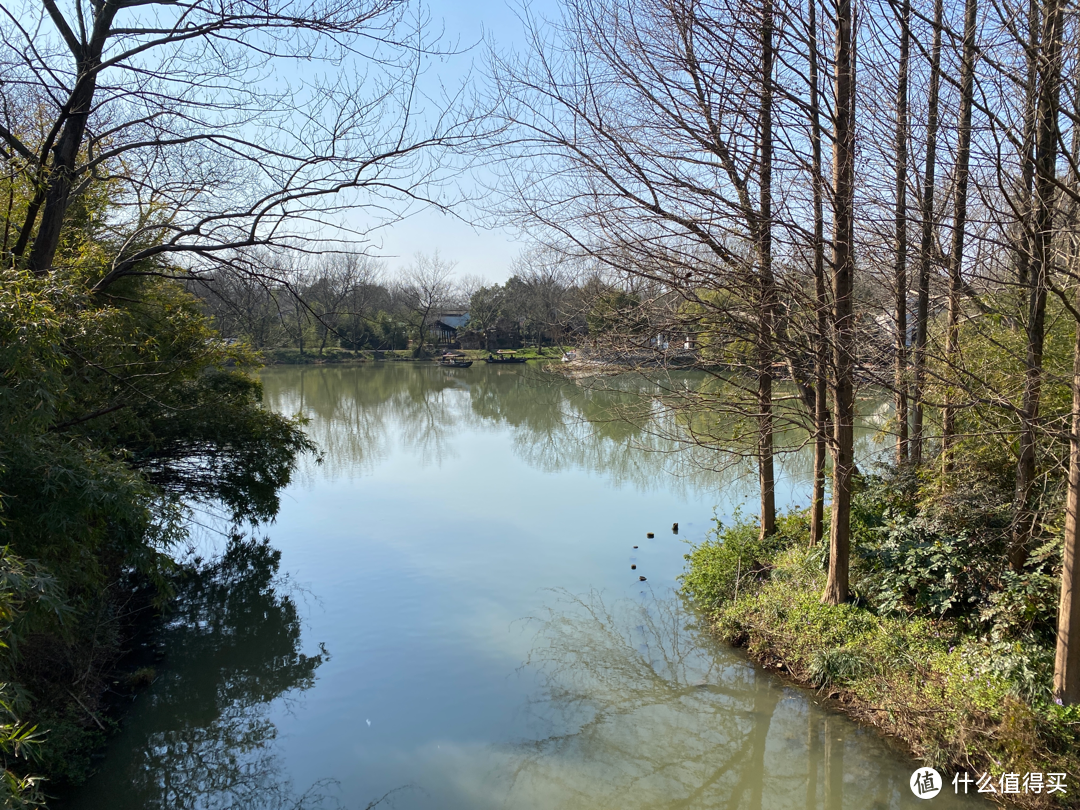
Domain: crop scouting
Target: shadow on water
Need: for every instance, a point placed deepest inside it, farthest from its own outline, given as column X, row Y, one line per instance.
column 204, row 732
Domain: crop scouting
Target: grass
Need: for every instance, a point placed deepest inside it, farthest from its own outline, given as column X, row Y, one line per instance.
column 948, row 696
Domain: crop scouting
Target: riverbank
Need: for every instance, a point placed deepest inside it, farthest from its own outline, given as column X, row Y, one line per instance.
column 960, row 702
column 82, row 692
column 293, row 357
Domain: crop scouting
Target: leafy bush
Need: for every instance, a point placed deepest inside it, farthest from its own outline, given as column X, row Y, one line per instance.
column 944, row 553
column 120, row 411
column 837, row 665
column 23, row 586
column 918, row 564
column 733, row 557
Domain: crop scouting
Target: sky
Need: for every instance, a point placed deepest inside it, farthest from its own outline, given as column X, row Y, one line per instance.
column 477, row 251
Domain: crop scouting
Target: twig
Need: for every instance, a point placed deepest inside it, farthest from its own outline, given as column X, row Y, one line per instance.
column 92, row 715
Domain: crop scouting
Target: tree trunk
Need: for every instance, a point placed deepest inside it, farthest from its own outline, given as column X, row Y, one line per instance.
column 299, row 327
column 843, row 416
column 900, row 272
column 1046, row 132
column 60, row 175
column 926, row 242
column 821, row 363
column 1067, row 656
column 956, row 257
column 766, row 468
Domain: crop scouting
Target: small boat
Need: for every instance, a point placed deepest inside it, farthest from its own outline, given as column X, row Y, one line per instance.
column 451, row 360
column 504, row 356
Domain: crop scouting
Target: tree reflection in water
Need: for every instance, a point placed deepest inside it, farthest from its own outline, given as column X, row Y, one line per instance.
column 206, row 734
column 638, row 711
column 622, row 427
column 357, row 413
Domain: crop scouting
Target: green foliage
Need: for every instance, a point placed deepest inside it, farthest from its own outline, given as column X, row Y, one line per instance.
column 24, row 586
column 717, row 319
column 616, row 312
column 118, row 412
column 919, row 565
column 486, row 307
column 1026, row 603
column 383, row 332
column 921, row 550
column 733, row 557
column 837, row 665
column 994, row 354
column 388, row 333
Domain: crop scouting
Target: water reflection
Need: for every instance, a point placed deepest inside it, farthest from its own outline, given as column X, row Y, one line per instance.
column 618, row 428
column 203, row 735
column 643, row 713
column 450, row 502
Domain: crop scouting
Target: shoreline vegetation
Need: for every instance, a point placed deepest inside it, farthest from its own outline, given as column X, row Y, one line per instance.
column 126, row 419
column 336, row 356
column 941, row 671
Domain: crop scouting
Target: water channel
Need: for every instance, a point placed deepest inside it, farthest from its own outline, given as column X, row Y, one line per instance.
column 445, row 617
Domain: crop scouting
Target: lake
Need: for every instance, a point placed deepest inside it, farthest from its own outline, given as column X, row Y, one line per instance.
column 449, row 614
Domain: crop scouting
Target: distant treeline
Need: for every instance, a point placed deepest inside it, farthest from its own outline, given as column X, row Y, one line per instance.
column 355, row 302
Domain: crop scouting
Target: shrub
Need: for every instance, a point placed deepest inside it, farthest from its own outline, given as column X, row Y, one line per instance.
column 943, row 553
column 733, row 557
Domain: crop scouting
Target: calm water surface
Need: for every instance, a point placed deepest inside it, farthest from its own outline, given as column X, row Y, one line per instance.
column 453, row 622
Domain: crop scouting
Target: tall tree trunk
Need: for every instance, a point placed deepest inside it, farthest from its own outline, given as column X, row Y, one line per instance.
column 900, row 272
column 926, row 242
column 60, row 176
column 956, row 256
column 821, row 361
column 766, row 468
column 1067, row 655
column 299, row 326
column 1046, row 131
column 843, row 416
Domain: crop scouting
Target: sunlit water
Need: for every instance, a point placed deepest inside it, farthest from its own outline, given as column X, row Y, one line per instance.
column 454, row 623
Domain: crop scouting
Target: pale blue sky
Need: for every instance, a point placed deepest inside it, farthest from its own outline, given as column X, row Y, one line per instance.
column 476, row 250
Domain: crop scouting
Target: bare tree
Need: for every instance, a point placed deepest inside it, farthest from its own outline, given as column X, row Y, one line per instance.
column 426, row 284
column 903, row 127
column 821, row 307
column 843, row 269
column 926, row 240
column 176, row 108
column 666, row 168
